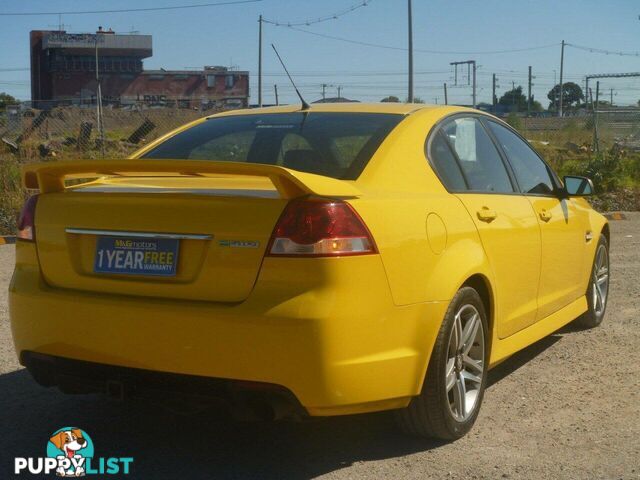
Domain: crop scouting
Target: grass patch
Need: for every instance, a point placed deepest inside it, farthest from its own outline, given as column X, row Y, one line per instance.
column 11, row 194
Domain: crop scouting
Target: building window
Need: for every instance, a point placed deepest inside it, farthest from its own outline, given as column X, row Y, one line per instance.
column 156, row 76
column 229, row 81
column 211, row 81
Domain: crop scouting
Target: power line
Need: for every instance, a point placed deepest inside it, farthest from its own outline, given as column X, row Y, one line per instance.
column 603, row 51
column 438, row 52
column 326, row 18
column 150, row 9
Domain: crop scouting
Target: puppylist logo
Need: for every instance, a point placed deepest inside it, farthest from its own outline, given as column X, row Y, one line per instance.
column 70, row 454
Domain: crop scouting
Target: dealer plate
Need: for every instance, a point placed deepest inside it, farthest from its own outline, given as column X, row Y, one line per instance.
column 136, row 256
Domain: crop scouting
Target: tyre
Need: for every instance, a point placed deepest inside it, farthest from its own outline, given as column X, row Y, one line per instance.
column 452, row 392
column 598, row 290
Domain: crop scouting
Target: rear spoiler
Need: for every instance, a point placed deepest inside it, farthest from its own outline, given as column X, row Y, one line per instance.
column 50, row 177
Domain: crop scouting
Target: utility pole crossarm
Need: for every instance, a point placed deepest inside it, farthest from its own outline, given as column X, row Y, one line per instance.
column 471, row 76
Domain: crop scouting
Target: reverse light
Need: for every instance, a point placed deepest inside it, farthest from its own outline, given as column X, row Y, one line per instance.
column 26, row 220
column 319, row 227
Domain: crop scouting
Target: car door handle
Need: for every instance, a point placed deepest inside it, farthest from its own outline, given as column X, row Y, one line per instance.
column 545, row 215
column 485, row 214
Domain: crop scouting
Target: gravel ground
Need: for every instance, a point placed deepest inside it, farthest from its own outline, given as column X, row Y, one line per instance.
column 566, row 407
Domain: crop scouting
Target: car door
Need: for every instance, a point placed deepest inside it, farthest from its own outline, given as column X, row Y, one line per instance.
column 562, row 228
column 504, row 219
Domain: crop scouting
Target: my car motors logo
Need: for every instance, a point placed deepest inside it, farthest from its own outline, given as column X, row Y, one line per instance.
column 70, row 454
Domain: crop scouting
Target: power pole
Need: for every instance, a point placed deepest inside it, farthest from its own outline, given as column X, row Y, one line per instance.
column 260, row 61
column 474, row 83
column 410, row 92
column 275, row 88
column 324, row 87
column 513, row 95
column 561, row 72
column 339, row 88
column 446, row 100
column 611, row 102
column 587, row 91
column 529, row 94
column 493, row 95
column 596, row 139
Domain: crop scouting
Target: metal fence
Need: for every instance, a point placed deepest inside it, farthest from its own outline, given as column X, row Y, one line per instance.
column 63, row 128
column 590, row 130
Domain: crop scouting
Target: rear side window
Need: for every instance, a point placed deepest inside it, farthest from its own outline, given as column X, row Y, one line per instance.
column 337, row 145
column 478, row 157
column 531, row 172
column 446, row 164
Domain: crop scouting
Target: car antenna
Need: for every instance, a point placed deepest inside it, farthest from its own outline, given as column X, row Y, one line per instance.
column 305, row 105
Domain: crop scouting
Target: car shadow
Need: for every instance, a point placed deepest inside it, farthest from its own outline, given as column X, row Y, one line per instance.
column 520, row 359
column 203, row 445
column 206, row 444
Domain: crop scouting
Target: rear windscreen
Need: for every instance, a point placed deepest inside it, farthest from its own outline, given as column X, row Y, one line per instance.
column 337, row 145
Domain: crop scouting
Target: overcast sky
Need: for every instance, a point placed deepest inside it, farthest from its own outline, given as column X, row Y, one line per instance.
column 227, row 35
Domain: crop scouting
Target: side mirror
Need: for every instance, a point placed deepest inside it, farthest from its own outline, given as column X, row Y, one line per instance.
column 578, row 186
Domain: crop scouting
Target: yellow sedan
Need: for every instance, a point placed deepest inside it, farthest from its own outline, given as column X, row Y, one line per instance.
column 294, row 262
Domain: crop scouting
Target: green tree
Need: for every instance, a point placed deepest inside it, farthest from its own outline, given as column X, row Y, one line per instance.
column 536, row 106
column 6, row 99
column 391, row 99
column 417, row 100
column 571, row 95
column 515, row 99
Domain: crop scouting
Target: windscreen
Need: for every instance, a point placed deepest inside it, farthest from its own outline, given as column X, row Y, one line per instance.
column 337, row 145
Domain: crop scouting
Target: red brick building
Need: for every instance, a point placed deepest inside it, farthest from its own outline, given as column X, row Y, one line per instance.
column 63, row 71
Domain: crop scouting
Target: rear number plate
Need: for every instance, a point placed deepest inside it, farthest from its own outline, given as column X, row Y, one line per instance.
column 137, row 256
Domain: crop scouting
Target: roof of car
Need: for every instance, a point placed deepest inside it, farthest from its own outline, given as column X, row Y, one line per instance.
column 397, row 108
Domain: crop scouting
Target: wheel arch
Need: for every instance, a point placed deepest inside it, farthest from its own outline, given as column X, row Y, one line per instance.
column 606, row 232
column 481, row 284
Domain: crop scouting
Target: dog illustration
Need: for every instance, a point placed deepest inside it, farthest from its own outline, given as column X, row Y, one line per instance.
column 69, row 441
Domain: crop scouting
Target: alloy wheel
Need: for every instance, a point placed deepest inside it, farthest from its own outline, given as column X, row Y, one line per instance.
column 465, row 362
column 600, row 280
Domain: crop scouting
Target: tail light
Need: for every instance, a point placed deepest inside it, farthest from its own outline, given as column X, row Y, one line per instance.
column 27, row 220
column 319, row 227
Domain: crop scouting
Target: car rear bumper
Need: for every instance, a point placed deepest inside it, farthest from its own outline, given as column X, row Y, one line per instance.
column 330, row 334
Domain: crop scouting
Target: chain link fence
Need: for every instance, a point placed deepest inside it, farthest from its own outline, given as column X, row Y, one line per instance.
column 51, row 131
column 586, row 130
